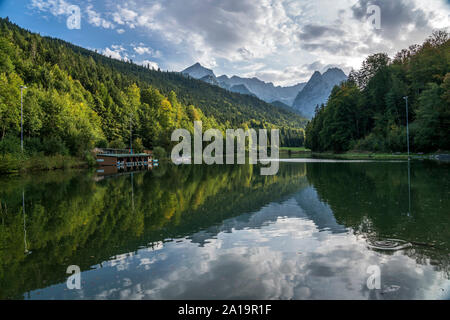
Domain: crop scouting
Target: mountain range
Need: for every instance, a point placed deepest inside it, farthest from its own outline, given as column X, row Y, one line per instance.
column 317, row 91
column 302, row 97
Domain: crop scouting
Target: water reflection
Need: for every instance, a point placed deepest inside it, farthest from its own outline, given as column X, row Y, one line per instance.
column 226, row 232
column 24, row 224
column 409, row 186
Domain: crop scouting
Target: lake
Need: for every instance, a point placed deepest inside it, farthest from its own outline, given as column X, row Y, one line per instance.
column 314, row 231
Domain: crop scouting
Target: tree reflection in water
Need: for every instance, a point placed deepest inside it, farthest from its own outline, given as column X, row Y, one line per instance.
column 74, row 219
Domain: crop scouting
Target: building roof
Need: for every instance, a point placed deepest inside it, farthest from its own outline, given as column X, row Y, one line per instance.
column 123, row 155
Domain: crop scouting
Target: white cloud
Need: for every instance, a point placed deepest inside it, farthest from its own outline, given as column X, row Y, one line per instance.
column 148, row 63
column 142, row 50
column 95, row 19
column 116, row 52
column 126, row 16
column 282, row 37
column 55, row 7
column 287, row 259
column 112, row 53
column 282, row 34
column 61, row 7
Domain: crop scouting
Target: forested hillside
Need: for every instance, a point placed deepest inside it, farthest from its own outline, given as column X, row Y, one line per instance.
column 77, row 99
column 368, row 112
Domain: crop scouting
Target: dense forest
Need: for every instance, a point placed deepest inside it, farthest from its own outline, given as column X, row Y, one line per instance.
column 368, row 112
column 77, row 99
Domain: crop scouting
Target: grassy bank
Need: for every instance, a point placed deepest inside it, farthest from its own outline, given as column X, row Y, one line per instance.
column 294, row 149
column 11, row 163
column 362, row 156
column 353, row 155
column 297, row 152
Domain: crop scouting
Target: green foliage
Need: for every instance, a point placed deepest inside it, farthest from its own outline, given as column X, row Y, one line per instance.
column 10, row 162
column 84, row 98
column 159, row 153
column 47, row 163
column 54, row 145
column 33, row 146
column 10, row 144
column 48, row 154
column 6, row 51
column 367, row 113
column 371, row 142
column 138, row 146
column 103, row 143
column 90, row 159
column 433, row 119
column 117, row 144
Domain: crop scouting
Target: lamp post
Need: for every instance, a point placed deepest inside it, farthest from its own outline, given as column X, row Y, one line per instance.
column 407, row 124
column 21, row 116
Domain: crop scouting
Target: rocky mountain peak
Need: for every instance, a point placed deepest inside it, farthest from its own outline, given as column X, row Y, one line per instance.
column 197, row 71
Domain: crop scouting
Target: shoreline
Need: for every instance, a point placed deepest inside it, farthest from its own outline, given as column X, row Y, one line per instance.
column 444, row 157
column 10, row 164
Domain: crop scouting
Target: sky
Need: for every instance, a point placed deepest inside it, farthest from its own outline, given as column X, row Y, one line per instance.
column 279, row 41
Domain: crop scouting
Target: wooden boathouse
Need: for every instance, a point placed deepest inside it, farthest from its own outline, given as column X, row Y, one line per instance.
column 123, row 158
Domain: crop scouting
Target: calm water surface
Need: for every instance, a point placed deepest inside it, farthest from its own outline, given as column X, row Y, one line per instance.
column 225, row 232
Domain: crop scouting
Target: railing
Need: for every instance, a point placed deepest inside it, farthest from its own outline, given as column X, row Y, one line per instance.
column 114, row 151
column 118, row 151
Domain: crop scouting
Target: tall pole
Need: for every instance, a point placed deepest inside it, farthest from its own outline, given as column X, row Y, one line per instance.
column 407, row 124
column 409, row 187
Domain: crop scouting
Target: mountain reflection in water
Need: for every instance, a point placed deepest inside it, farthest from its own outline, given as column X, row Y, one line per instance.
column 225, row 232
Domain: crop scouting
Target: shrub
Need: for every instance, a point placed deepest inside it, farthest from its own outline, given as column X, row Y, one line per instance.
column 10, row 145
column 90, row 159
column 117, row 144
column 138, row 146
column 159, row 153
column 370, row 143
column 396, row 139
column 33, row 146
column 54, row 145
column 103, row 143
column 11, row 162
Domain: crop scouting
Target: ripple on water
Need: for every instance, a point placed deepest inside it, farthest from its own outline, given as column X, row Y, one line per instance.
column 388, row 244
